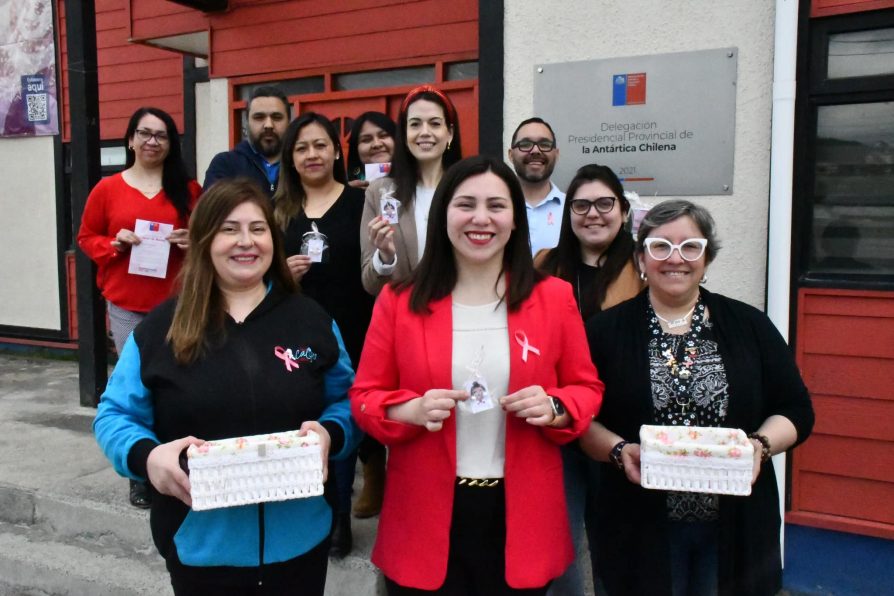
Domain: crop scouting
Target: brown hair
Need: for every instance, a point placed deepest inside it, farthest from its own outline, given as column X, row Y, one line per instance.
column 290, row 197
column 404, row 167
column 564, row 261
column 201, row 309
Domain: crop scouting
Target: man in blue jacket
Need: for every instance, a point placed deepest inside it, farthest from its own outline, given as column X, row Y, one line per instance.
column 258, row 156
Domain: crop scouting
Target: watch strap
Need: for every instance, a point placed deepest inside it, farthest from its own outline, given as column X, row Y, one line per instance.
column 614, row 456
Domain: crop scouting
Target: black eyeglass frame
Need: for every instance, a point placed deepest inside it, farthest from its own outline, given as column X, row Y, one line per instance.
column 539, row 144
column 592, row 204
column 159, row 137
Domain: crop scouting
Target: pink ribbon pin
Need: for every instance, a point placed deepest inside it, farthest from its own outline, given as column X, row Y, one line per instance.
column 522, row 340
column 285, row 356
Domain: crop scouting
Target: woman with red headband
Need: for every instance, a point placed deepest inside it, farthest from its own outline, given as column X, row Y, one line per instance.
column 427, row 143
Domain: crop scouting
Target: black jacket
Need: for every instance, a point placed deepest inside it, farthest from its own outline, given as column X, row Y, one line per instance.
column 240, row 162
column 632, row 551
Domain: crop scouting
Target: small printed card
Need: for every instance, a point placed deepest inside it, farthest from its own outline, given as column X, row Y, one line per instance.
column 374, row 171
column 150, row 256
column 389, row 208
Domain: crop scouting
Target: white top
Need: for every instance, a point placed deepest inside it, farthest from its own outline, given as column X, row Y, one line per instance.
column 481, row 437
column 421, row 207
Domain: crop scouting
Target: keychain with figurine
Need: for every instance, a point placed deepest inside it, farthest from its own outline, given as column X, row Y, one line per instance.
column 388, row 206
column 480, row 399
column 315, row 244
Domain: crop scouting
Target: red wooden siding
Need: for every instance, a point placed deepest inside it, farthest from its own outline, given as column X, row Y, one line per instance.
column 348, row 105
column 843, row 476
column 130, row 75
column 257, row 36
column 162, row 19
column 827, row 8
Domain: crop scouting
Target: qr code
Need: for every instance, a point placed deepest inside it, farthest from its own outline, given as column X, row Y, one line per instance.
column 38, row 104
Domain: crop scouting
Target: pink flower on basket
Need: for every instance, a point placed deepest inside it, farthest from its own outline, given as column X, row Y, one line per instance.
column 662, row 436
column 204, row 447
column 241, row 442
column 693, row 434
column 283, row 441
column 701, row 453
column 735, row 452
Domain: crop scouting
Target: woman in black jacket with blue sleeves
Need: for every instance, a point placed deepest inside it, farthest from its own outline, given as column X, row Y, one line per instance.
column 238, row 353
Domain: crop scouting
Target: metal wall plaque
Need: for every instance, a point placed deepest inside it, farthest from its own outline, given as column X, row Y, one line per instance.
column 664, row 123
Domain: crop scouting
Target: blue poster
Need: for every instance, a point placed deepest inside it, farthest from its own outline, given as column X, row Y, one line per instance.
column 36, row 99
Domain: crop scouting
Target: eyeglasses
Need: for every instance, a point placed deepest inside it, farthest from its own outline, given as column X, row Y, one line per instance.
column 527, row 145
column 144, row 135
column 661, row 249
column 602, row 205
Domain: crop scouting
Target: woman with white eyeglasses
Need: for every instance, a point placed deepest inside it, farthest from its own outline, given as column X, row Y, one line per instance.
column 679, row 355
column 595, row 255
column 151, row 194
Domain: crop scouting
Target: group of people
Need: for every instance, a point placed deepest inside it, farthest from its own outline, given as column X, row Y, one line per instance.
column 476, row 303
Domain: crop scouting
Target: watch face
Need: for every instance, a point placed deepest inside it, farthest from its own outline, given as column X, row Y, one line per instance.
column 558, row 408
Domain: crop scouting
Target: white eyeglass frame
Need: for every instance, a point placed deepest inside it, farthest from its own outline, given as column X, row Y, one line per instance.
column 702, row 242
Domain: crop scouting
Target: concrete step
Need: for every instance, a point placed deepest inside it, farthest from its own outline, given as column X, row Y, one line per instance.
column 57, row 544
column 65, row 524
column 33, row 561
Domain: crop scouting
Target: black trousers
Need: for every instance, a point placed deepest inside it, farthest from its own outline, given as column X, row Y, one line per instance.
column 302, row 576
column 476, row 564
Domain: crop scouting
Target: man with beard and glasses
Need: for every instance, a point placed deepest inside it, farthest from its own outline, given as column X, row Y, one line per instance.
column 533, row 154
column 258, row 156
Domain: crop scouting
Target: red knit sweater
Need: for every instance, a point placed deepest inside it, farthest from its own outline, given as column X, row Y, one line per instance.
column 114, row 205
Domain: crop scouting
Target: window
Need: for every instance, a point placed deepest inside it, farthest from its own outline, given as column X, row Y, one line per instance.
column 845, row 185
column 853, row 198
column 394, row 77
column 861, row 53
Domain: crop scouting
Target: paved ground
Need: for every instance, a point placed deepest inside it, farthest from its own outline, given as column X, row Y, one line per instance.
column 65, row 523
column 66, row 527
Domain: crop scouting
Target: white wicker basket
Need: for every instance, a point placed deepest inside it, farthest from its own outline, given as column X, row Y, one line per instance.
column 256, row 469
column 696, row 459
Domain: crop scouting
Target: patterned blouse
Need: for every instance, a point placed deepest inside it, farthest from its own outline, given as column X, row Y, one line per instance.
column 689, row 388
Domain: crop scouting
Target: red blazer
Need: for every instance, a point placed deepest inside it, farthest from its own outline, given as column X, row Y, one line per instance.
column 406, row 354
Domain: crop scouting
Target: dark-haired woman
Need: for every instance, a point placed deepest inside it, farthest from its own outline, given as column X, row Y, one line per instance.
column 217, row 363
column 679, row 355
column 594, row 255
column 155, row 188
column 371, row 142
column 427, row 143
column 320, row 216
column 474, row 502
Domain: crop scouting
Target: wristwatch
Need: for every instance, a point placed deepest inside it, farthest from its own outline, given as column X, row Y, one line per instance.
column 558, row 408
column 614, row 456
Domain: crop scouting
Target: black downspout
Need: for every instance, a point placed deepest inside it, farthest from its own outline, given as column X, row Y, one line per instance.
column 83, row 108
column 191, row 75
column 490, row 78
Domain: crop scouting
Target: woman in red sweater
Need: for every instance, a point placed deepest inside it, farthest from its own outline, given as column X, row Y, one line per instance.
column 154, row 190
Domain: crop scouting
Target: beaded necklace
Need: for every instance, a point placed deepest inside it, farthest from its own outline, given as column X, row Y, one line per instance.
column 679, row 352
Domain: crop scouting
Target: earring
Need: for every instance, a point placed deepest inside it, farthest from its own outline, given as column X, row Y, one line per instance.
column 130, row 147
column 448, row 145
column 642, row 275
column 704, row 278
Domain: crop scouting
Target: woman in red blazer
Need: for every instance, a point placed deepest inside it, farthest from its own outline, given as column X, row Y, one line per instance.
column 474, row 500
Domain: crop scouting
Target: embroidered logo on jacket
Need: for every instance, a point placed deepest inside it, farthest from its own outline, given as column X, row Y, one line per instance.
column 293, row 358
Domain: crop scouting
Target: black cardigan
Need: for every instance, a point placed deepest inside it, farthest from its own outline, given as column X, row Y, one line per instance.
column 632, row 549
